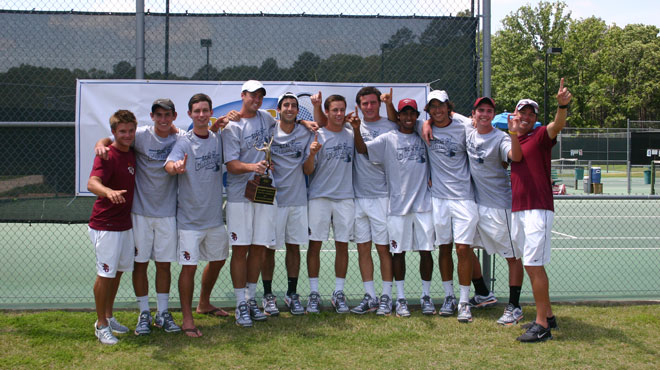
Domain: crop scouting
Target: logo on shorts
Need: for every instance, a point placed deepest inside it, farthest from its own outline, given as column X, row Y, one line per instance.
column 234, row 236
column 186, row 256
column 105, row 267
column 136, row 252
column 393, row 244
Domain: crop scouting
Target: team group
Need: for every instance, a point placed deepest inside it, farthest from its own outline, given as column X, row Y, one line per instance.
column 400, row 183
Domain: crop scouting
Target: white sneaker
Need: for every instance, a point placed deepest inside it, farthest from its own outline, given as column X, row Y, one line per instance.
column 116, row 327
column 105, row 335
column 464, row 313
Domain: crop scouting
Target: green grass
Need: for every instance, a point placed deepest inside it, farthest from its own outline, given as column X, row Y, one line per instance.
column 590, row 336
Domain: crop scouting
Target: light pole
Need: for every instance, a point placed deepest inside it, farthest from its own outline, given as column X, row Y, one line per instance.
column 382, row 60
column 545, row 83
column 206, row 43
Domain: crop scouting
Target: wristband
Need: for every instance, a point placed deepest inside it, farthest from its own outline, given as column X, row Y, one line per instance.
column 513, row 133
column 562, row 106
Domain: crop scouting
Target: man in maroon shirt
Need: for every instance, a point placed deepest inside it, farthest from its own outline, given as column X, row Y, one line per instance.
column 110, row 227
column 532, row 208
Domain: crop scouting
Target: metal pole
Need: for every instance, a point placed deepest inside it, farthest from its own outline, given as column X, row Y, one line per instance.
column 628, row 170
column 167, row 38
column 207, row 62
column 139, row 39
column 486, row 261
column 545, row 92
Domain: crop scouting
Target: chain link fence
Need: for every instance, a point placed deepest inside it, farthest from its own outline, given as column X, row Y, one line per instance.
column 47, row 45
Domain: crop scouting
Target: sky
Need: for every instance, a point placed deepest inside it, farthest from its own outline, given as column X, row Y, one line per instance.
column 611, row 11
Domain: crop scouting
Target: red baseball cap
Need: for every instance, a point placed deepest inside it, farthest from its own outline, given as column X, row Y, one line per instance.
column 483, row 99
column 407, row 103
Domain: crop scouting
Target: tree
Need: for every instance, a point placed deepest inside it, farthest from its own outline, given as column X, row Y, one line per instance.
column 519, row 52
column 402, row 37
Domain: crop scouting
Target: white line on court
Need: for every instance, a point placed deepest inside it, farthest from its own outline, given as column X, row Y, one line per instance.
column 607, row 217
column 603, row 249
column 612, row 238
column 567, row 235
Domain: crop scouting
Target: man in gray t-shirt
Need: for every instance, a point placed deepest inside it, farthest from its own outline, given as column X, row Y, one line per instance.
column 251, row 226
column 196, row 161
column 488, row 149
column 330, row 167
column 153, row 213
column 289, row 150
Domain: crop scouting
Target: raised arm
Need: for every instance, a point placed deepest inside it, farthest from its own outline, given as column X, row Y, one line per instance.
column 314, row 147
column 354, row 120
column 515, row 153
column 389, row 106
column 563, row 99
column 320, row 117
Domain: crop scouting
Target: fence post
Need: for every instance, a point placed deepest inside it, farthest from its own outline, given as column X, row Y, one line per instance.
column 139, row 39
column 628, row 171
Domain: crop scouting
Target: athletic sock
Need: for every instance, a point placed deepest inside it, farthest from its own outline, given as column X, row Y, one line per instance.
column 448, row 286
column 514, row 295
column 251, row 291
column 370, row 289
column 162, row 300
column 240, row 295
column 387, row 288
column 292, row 288
column 268, row 286
column 480, row 286
column 143, row 303
column 465, row 293
column 339, row 283
column 426, row 288
column 314, row 284
column 400, row 292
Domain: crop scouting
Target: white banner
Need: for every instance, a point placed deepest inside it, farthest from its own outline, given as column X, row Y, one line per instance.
column 97, row 100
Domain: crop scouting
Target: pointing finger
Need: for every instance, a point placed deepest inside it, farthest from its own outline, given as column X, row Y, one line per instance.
column 561, row 84
column 185, row 159
column 391, row 92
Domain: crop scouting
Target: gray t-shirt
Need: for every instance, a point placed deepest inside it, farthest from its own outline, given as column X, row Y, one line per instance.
column 289, row 152
column 406, row 169
column 333, row 165
column 492, row 185
column 368, row 177
column 450, row 172
column 239, row 140
column 199, row 203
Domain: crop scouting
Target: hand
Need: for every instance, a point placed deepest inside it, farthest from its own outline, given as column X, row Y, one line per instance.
column 260, row 167
column 310, row 125
column 354, row 119
column 173, row 129
column 427, row 131
column 180, row 165
column 219, row 123
column 116, row 196
column 316, row 99
column 513, row 122
column 386, row 98
column 234, row 116
column 563, row 95
column 315, row 146
column 102, row 151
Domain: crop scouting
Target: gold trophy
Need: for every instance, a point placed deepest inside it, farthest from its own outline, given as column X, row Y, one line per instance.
column 260, row 189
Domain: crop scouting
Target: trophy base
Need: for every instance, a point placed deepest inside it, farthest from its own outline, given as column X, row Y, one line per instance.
column 259, row 190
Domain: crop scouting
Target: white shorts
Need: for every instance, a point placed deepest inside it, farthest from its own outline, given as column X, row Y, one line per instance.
column 494, row 232
column 411, row 232
column 155, row 238
column 531, row 232
column 291, row 226
column 323, row 211
column 205, row 245
column 454, row 220
column 251, row 223
column 371, row 220
column 114, row 251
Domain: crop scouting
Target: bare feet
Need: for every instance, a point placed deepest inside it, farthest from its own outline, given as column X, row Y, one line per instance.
column 213, row 311
column 192, row 332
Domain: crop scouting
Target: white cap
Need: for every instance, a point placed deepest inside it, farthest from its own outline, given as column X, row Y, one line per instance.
column 524, row 102
column 286, row 95
column 440, row 95
column 252, row 86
